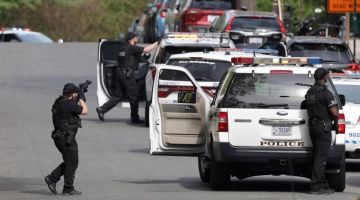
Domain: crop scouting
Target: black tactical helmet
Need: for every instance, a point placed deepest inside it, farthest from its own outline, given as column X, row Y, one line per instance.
column 130, row 36
column 69, row 88
column 320, row 73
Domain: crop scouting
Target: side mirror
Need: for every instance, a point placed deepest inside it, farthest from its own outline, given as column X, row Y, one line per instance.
column 342, row 99
column 147, row 56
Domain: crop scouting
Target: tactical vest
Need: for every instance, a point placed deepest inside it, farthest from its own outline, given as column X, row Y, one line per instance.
column 122, row 55
column 316, row 103
column 60, row 124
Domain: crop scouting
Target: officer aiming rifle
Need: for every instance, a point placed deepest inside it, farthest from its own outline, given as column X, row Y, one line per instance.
column 65, row 114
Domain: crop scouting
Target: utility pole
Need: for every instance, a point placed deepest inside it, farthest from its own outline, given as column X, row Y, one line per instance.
column 354, row 27
column 280, row 10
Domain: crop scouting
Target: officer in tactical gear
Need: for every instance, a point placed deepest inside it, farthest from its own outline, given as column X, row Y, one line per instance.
column 129, row 60
column 65, row 112
column 322, row 110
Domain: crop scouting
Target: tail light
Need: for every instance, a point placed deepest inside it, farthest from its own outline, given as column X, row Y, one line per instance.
column 282, row 28
column 358, row 122
column 354, row 67
column 229, row 25
column 223, row 122
column 153, row 72
column 341, row 123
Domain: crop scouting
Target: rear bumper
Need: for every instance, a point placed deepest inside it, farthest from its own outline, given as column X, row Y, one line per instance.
column 224, row 152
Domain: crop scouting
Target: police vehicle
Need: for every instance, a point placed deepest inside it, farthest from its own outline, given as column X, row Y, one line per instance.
column 172, row 43
column 206, row 67
column 23, row 35
column 349, row 85
column 256, row 124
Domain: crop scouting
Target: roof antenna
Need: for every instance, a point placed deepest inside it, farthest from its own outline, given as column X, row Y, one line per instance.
column 254, row 53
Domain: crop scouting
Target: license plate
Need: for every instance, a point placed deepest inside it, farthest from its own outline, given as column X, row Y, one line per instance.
column 211, row 18
column 256, row 40
column 187, row 97
column 281, row 131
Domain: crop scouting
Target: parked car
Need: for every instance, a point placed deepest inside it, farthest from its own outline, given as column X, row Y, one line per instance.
column 250, row 29
column 255, row 124
column 197, row 15
column 23, row 35
column 349, row 85
column 335, row 53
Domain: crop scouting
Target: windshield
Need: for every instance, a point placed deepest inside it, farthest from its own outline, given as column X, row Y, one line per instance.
column 268, row 91
column 351, row 92
column 328, row 52
column 214, row 4
column 202, row 70
column 255, row 23
column 34, row 37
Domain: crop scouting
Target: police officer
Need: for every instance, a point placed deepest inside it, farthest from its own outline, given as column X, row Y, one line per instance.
column 322, row 110
column 128, row 65
column 66, row 110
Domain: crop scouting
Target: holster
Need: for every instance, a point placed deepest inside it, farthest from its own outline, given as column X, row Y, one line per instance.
column 321, row 125
column 70, row 137
column 56, row 134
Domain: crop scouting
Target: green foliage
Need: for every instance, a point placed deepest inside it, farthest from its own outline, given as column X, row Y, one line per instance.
column 72, row 20
column 300, row 11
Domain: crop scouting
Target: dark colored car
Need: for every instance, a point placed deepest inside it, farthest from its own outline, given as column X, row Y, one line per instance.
column 335, row 53
column 250, row 29
column 197, row 15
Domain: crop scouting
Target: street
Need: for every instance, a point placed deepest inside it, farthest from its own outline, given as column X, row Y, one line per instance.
column 114, row 160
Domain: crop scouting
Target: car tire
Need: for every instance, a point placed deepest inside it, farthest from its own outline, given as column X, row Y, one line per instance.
column 146, row 120
column 219, row 175
column 337, row 181
column 204, row 169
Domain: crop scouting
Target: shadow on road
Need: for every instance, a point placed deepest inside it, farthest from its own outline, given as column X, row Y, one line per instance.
column 24, row 185
column 114, row 120
column 273, row 184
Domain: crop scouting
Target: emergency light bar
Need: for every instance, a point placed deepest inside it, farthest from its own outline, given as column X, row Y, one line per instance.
column 186, row 35
column 276, row 60
column 262, row 51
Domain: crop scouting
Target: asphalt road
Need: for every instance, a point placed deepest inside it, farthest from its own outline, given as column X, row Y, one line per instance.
column 114, row 159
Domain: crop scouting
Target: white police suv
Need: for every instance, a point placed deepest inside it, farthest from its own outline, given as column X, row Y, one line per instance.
column 23, row 35
column 256, row 124
column 349, row 85
column 206, row 67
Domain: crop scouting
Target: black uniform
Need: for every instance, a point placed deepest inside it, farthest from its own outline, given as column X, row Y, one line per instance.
column 319, row 100
column 66, row 123
column 128, row 65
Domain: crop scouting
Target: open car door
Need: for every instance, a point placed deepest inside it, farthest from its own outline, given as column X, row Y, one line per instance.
column 107, row 63
column 105, row 70
column 178, row 113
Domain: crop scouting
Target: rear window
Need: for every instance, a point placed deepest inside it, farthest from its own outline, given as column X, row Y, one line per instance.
column 165, row 53
column 351, row 92
column 267, row 91
column 330, row 53
column 214, row 4
column 202, row 70
column 255, row 23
